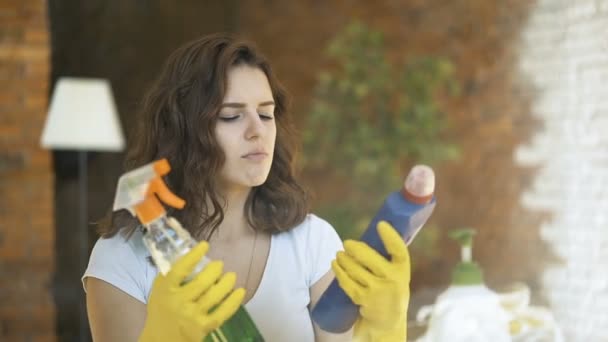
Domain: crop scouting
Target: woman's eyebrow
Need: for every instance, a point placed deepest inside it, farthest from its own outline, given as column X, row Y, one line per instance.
column 267, row 103
column 241, row 105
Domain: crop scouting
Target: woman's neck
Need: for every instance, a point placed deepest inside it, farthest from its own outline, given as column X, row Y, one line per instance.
column 234, row 226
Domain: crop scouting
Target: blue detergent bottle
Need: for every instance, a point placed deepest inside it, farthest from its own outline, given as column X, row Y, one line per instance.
column 407, row 210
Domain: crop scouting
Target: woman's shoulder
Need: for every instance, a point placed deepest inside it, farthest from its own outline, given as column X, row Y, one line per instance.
column 122, row 245
column 311, row 234
column 311, row 226
column 314, row 242
column 120, row 253
column 121, row 261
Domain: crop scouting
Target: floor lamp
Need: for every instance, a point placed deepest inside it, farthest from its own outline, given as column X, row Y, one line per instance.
column 82, row 116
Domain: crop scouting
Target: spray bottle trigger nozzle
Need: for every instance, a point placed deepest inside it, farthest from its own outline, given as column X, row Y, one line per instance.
column 166, row 196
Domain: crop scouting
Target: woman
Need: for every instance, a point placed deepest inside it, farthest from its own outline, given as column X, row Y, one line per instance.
column 219, row 115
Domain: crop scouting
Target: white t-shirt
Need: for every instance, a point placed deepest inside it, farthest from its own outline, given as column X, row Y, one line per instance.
column 297, row 259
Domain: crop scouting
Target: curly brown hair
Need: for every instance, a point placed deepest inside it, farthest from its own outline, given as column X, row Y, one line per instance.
column 177, row 121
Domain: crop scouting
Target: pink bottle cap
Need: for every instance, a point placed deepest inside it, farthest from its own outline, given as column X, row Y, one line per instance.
column 419, row 185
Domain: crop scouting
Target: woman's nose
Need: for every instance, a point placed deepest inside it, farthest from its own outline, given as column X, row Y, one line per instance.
column 255, row 127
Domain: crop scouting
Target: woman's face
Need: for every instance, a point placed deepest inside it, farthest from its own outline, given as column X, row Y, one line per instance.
column 246, row 129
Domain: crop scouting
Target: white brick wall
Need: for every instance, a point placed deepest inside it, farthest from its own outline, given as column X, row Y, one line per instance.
column 564, row 55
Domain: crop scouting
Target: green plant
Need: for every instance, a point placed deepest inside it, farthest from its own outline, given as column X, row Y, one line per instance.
column 368, row 119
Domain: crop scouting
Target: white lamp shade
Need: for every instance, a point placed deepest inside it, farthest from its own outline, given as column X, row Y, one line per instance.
column 82, row 116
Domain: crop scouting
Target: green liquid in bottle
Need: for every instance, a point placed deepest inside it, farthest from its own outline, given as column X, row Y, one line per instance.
column 239, row 327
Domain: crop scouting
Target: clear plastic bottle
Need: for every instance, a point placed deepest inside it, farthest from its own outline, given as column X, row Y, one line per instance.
column 167, row 240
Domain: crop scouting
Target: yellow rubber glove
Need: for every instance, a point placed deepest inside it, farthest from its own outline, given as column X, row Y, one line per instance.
column 379, row 286
column 177, row 312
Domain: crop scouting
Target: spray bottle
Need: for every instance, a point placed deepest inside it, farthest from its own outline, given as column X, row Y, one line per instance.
column 165, row 238
column 467, row 310
column 407, row 211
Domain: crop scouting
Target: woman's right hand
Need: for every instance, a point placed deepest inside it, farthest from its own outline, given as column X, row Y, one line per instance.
column 177, row 312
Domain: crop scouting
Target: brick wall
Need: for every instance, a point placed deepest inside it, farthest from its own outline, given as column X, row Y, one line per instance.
column 564, row 54
column 488, row 120
column 26, row 210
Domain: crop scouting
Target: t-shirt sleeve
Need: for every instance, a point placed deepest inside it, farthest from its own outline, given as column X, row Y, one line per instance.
column 323, row 244
column 114, row 261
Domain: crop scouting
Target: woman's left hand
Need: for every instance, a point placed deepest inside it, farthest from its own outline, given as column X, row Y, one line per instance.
column 379, row 286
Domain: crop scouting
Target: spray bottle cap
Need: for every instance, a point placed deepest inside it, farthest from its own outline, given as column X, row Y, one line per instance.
column 137, row 191
column 419, row 185
column 466, row 271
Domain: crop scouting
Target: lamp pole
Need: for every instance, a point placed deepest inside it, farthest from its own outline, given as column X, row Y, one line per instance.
column 82, row 116
column 84, row 238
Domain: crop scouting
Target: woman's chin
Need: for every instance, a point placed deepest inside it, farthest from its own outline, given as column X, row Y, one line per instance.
column 256, row 179
column 252, row 182
column 249, row 181
column 258, row 182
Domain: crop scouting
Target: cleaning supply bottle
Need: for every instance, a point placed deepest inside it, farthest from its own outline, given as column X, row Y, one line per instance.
column 467, row 310
column 166, row 240
column 406, row 210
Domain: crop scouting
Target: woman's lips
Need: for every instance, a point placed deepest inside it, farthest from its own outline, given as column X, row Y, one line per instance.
column 256, row 156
